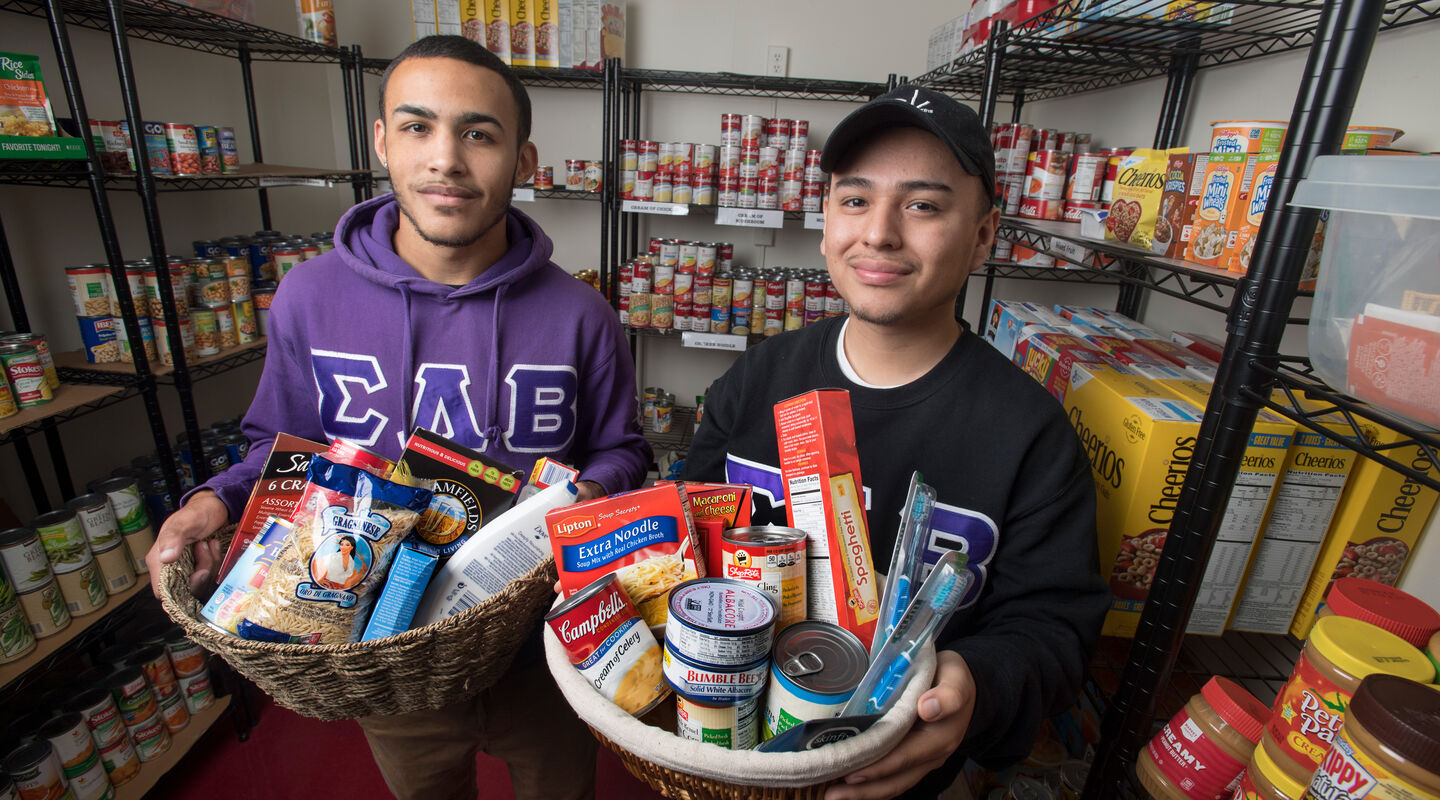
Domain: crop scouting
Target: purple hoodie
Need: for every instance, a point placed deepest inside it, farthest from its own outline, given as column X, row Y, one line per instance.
column 524, row 361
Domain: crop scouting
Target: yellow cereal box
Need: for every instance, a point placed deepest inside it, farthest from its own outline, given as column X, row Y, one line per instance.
column 1316, row 467
column 522, row 33
column 547, row 33
column 1140, row 440
column 1377, row 524
column 497, row 28
column 1226, row 179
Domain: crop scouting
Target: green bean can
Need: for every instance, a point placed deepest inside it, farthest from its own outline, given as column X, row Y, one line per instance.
column 45, row 608
column 24, row 560
column 16, row 638
column 63, row 538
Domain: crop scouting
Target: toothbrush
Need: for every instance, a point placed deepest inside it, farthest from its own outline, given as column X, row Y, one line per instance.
column 907, row 558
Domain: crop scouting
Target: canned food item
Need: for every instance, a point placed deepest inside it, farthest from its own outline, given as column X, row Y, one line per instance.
column 721, row 623
column 815, row 669
column 639, row 312
column 100, row 714
column 610, row 644
column 1087, row 178
column 75, row 750
column 208, row 139
column 662, row 311
column 732, row 726
column 36, row 771
column 198, row 692
column 629, row 154
column 186, row 658
column 46, row 610
column 644, row 185
column 120, row 760
column 24, row 559
column 727, row 194
column 133, row 697
column 752, row 129
column 772, row 559
column 229, row 151
column 27, row 375
column 154, row 661
column 116, row 570
column 90, row 289
column 174, row 711
column 184, row 147
column 682, row 286
column 663, row 189
column 545, row 177
column 63, row 537
column 8, row 408
column 664, row 416
column 247, row 329
column 83, row 588
column 709, row 683
column 207, row 332
column 594, row 176
column 42, row 350
column 16, row 637
column 150, row 737
column 649, row 157
column 682, row 192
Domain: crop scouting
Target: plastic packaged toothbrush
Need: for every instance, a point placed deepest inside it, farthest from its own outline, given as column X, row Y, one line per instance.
column 894, row 664
column 906, row 560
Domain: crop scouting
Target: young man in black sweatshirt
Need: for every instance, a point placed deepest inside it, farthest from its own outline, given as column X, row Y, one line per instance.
column 909, row 217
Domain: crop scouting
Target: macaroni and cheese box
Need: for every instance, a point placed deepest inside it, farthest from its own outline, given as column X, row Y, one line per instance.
column 716, row 507
column 646, row 537
column 469, row 489
column 825, row 498
column 275, row 494
column 1140, row 440
column 1300, row 511
column 1377, row 523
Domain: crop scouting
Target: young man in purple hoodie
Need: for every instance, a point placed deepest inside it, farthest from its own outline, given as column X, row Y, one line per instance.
column 440, row 308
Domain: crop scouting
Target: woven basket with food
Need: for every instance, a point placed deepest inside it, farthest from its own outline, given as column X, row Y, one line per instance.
column 343, row 609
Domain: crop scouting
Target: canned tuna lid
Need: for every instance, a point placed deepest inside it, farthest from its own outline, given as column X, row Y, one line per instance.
column 821, row 657
column 722, row 607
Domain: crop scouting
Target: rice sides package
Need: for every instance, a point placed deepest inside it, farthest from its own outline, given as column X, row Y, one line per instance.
column 24, row 108
column 348, row 526
column 1138, row 189
column 227, row 606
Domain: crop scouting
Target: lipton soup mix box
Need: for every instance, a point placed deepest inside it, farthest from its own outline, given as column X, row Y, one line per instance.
column 644, row 536
column 1376, row 525
column 824, row 497
column 1140, row 440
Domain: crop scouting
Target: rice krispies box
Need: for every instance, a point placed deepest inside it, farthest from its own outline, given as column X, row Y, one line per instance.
column 646, row 537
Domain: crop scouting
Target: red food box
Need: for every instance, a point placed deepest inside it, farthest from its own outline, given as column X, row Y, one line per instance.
column 1175, row 353
column 716, row 507
column 825, row 498
column 646, row 537
column 1048, row 358
column 1199, row 343
column 275, row 494
column 1126, row 351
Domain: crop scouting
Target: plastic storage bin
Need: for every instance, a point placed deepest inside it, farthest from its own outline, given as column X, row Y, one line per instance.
column 1375, row 323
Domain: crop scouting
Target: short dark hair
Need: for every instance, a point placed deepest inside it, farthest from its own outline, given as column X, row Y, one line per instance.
column 462, row 49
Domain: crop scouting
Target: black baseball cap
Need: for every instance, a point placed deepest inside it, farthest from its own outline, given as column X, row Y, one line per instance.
column 908, row 105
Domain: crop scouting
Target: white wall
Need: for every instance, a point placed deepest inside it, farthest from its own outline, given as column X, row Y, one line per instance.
column 301, row 118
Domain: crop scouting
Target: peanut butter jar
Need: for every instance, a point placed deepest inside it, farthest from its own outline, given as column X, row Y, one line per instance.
column 1389, row 746
column 1202, row 750
column 1266, row 780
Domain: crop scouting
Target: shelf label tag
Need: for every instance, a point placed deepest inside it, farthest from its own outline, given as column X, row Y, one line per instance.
column 733, row 342
column 814, row 221
column 750, row 217
column 648, row 207
column 282, row 181
column 1068, row 250
column 523, row 195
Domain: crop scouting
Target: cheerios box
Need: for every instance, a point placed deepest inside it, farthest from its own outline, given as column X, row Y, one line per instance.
column 646, row 537
column 1376, row 525
column 824, row 496
column 1140, row 440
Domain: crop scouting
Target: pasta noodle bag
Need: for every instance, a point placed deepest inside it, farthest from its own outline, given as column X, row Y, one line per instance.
column 227, row 606
column 1139, row 186
column 348, row 526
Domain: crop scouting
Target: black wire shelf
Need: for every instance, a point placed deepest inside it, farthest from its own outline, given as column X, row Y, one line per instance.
column 1009, row 269
column 74, row 368
column 682, row 430
column 562, row 194
column 72, row 400
column 732, row 83
column 74, row 175
column 183, row 26
column 1072, row 48
column 544, row 78
column 80, row 634
column 1295, row 380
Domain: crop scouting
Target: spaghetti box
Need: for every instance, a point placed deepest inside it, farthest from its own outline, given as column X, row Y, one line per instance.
column 1376, row 525
column 276, row 492
column 645, row 537
column 404, row 585
column 469, row 489
column 815, row 432
column 716, row 507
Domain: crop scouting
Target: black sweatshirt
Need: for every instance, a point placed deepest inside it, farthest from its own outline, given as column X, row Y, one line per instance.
column 1014, row 493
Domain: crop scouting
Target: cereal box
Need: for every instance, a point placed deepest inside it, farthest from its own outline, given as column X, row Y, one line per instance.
column 1244, row 225
column 1206, row 346
column 522, row 33
column 470, row 488
column 646, row 537
column 276, row 492
column 497, row 28
column 472, row 20
column 1140, row 440
column 1007, row 318
column 1184, row 177
column 716, row 507
column 1049, row 356
column 1377, row 523
column 1139, row 186
column 1226, row 179
column 821, row 469
column 1316, row 467
column 547, row 33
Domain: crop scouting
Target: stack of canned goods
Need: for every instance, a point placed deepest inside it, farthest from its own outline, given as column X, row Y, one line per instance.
column 668, row 172
column 30, row 377
column 695, row 286
column 580, row 176
column 172, row 148
column 658, row 408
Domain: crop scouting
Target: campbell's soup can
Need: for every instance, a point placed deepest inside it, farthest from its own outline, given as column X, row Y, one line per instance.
column 767, row 193
column 649, row 157
column 683, row 287
column 1074, row 209
column 772, row 559
column 728, row 193
column 645, row 267
column 706, row 254
column 752, row 130
column 1044, row 139
column 777, row 133
column 703, row 157
column 644, row 188
column 1086, row 178
column 574, row 175
column 681, row 321
column 729, row 130
column 1112, row 171
column 669, row 252
column 610, row 645
column 682, row 154
column 1012, row 147
column 800, row 133
column 729, row 157
column 815, row 668
column 666, row 155
column 724, row 254
column 749, row 193
column 627, row 184
column 703, row 284
column 630, row 154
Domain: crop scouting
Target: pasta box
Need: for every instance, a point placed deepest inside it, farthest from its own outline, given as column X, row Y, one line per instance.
column 716, row 507
column 276, row 492
column 469, row 489
column 646, row 537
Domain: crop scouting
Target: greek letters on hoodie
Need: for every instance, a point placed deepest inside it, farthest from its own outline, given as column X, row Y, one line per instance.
column 520, row 363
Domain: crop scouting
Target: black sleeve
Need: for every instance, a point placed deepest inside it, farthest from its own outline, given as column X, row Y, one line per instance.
column 706, row 459
column 1029, row 648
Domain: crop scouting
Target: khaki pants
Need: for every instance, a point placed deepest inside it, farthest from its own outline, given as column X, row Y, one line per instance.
column 523, row 720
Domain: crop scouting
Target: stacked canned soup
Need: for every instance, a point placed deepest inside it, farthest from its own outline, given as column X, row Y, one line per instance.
column 95, row 734
column 172, row 149
column 696, row 286
column 222, row 296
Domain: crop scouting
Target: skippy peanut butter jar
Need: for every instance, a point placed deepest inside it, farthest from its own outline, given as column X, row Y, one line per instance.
column 1389, row 746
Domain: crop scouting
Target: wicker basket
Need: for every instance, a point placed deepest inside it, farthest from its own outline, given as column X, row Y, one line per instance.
column 678, row 768
column 419, row 669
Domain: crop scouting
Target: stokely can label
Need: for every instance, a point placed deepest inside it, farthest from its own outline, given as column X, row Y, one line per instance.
column 101, row 716
column 610, row 644
column 771, row 559
column 151, row 737
column 27, row 375
column 198, row 691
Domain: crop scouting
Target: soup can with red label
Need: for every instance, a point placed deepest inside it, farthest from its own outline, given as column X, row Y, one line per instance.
column 609, row 643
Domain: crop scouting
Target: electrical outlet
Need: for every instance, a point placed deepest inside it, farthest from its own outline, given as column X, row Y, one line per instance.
column 777, row 60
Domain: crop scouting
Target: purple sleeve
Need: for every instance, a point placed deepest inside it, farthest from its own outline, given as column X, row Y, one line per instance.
column 610, row 449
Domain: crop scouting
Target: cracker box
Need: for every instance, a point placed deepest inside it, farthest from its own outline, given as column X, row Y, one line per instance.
column 1245, row 218
column 825, row 498
column 1316, row 467
column 716, row 507
column 275, row 494
column 469, row 489
column 1140, row 440
column 1049, row 357
column 1227, row 178
column 1184, row 177
column 645, row 537
column 1255, row 485
column 1378, row 522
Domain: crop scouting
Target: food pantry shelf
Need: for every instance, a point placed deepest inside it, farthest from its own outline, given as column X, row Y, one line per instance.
column 682, row 429
column 732, row 83
column 549, row 78
column 74, row 367
column 73, row 174
column 180, row 743
column 78, row 627
column 188, row 27
column 1009, row 269
column 70, row 401
column 1073, row 48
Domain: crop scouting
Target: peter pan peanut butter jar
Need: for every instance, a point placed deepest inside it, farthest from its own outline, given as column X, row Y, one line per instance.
column 1340, row 653
column 1265, row 780
column 1388, row 748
